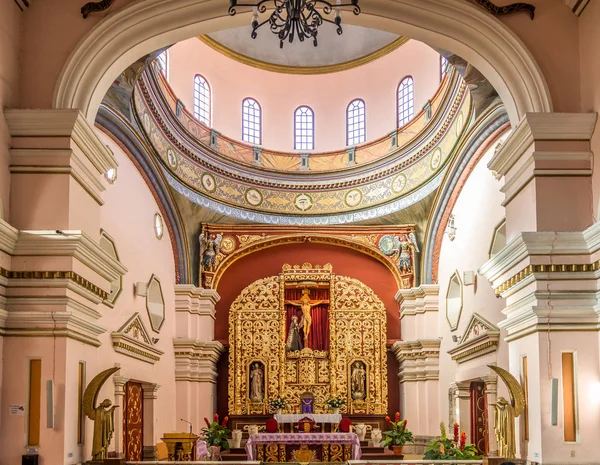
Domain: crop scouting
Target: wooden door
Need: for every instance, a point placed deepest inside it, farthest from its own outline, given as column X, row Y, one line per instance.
column 479, row 417
column 133, row 422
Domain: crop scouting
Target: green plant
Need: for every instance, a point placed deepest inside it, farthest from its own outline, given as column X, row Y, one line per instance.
column 443, row 448
column 336, row 402
column 216, row 434
column 277, row 402
column 398, row 434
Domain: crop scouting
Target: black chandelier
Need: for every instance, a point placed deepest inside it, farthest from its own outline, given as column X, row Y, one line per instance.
column 296, row 17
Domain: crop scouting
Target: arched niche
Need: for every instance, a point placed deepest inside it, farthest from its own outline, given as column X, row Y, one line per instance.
column 464, row 29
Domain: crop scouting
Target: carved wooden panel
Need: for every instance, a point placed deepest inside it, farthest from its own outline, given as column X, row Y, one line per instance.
column 133, row 421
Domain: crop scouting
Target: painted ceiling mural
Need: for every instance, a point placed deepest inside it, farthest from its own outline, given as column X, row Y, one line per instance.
column 386, row 175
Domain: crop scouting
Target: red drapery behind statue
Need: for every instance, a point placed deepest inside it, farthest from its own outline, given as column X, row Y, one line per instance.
column 318, row 338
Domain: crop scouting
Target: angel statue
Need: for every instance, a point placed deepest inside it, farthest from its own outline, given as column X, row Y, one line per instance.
column 504, row 423
column 400, row 249
column 103, row 415
column 210, row 247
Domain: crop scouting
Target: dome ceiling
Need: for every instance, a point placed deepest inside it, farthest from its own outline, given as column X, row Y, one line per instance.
column 356, row 44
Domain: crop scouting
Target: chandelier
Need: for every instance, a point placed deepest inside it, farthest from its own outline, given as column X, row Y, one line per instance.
column 291, row 18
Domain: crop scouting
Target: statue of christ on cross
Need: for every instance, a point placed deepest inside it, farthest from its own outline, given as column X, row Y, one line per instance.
column 306, row 305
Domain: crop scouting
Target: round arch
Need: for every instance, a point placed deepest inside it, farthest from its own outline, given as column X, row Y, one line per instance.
column 457, row 26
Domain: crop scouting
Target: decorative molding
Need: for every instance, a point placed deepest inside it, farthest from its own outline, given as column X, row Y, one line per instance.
column 536, row 127
column 74, row 243
column 481, row 337
column 62, row 123
column 52, row 324
column 44, row 301
column 54, row 275
column 302, row 70
column 419, row 360
column 8, row 237
column 196, row 360
column 418, row 300
column 195, row 300
column 132, row 339
column 507, row 9
column 150, row 390
column 577, row 6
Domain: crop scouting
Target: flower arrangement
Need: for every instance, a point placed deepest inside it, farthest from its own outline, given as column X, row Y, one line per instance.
column 443, row 448
column 398, row 434
column 277, row 403
column 336, row 402
column 216, row 434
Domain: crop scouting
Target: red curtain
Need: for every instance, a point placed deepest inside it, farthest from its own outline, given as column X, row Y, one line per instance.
column 318, row 338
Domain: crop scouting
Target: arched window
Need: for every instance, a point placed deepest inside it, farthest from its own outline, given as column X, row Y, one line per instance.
column 163, row 63
column 443, row 66
column 406, row 101
column 201, row 100
column 355, row 122
column 304, row 128
column 251, row 121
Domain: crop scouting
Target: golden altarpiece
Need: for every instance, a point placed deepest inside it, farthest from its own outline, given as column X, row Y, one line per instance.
column 259, row 326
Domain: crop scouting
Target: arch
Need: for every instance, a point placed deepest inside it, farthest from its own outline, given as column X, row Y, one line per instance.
column 202, row 100
column 251, row 121
column 405, row 101
column 462, row 28
column 356, row 122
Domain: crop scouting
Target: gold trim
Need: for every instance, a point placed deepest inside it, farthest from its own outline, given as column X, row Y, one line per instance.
column 478, row 348
column 70, row 275
column 304, row 70
column 529, row 270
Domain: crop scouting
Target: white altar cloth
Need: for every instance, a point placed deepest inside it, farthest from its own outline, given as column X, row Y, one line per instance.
column 316, row 417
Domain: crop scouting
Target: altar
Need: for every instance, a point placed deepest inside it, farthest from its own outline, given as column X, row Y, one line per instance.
column 303, row 447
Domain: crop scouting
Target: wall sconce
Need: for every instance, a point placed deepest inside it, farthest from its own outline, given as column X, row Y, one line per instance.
column 451, row 229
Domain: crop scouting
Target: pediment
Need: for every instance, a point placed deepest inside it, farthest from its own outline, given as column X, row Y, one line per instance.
column 134, row 340
column 481, row 337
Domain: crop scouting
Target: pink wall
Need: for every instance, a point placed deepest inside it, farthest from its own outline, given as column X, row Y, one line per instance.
column 10, row 28
column 280, row 94
column 477, row 212
column 589, row 44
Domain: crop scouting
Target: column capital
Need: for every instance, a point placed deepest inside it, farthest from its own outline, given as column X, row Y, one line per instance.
column 120, row 382
column 150, row 390
column 196, row 360
column 195, row 300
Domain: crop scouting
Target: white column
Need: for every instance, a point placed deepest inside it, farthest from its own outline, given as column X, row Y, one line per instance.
column 119, row 382
column 490, row 399
column 151, row 436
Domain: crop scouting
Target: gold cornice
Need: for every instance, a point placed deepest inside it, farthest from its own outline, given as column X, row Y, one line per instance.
column 70, row 275
column 531, row 269
column 303, row 70
column 474, row 350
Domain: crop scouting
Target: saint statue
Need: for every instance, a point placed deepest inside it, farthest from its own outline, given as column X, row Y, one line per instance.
column 293, row 341
column 104, row 426
column 358, row 381
column 305, row 305
column 257, row 393
column 404, row 252
column 103, row 415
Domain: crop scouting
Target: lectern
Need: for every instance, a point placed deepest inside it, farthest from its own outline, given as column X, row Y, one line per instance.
column 180, row 446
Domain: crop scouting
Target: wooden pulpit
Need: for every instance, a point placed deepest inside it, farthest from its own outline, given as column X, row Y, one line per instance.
column 181, row 446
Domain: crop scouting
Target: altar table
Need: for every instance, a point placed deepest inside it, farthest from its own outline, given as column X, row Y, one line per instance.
column 323, row 447
column 316, row 417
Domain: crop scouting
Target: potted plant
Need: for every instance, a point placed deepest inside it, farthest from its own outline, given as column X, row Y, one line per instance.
column 335, row 403
column 397, row 435
column 444, row 448
column 215, row 435
column 277, row 404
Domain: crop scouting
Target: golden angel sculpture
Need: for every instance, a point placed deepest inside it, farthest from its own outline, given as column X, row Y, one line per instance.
column 103, row 415
column 504, row 423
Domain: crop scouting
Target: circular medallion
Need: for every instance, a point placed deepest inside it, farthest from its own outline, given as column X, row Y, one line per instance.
column 388, row 244
column 436, row 159
column 171, row 158
column 459, row 124
column 208, row 182
column 254, row 197
column 227, row 244
column 353, row 197
column 398, row 183
column 303, row 202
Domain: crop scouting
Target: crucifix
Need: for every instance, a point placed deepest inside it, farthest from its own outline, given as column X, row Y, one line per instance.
column 305, row 305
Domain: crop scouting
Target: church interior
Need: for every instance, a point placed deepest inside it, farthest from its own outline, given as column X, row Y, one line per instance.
column 362, row 231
